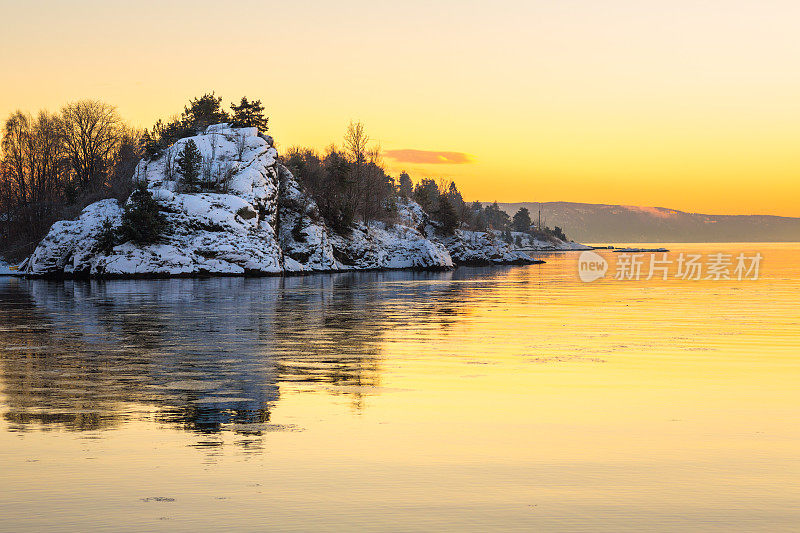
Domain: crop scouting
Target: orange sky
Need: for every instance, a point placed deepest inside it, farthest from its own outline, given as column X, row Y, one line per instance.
column 684, row 104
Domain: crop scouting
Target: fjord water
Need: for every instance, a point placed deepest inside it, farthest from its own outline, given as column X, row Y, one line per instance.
column 479, row 399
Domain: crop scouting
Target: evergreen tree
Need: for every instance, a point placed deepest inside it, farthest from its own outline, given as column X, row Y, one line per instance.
column 446, row 215
column 142, row 221
column 496, row 218
column 203, row 112
column 457, row 201
column 522, row 220
column 406, row 188
column 478, row 217
column 189, row 161
column 151, row 145
column 426, row 194
column 249, row 114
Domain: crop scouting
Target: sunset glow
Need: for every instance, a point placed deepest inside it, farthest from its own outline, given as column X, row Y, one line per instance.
column 687, row 105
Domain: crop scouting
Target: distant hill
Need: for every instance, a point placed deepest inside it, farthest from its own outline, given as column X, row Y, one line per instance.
column 601, row 223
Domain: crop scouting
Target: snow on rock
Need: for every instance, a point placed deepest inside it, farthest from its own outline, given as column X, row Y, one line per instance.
column 487, row 248
column 483, row 248
column 302, row 233
column 71, row 245
column 9, row 270
column 527, row 241
column 231, row 232
column 380, row 246
column 411, row 214
column 259, row 222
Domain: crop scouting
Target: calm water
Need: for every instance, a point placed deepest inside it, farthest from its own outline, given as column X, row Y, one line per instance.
column 480, row 399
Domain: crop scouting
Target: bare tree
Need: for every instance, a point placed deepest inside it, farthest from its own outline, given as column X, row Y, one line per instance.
column 208, row 176
column 225, row 172
column 121, row 180
column 34, row 157
column 355, row 145
column 92, row 131
column 16, row 140
column 241, row 144
column 169, row 163
column 34, row 174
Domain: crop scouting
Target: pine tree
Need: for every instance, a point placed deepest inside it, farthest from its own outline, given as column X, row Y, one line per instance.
column 406, row 188
column 142, row 221
column 152, row 148
column 249, row 114
column 447, row 215
column 522, row 220
column 203, row 112
column 189, row 161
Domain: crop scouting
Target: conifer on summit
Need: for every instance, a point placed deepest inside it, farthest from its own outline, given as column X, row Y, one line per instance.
column 249, row 114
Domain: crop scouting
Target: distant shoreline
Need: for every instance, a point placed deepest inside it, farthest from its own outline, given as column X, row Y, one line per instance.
column 625, row 224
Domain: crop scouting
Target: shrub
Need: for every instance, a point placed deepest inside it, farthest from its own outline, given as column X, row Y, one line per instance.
column 142, row 222
column 108, row 237
column 297, row 230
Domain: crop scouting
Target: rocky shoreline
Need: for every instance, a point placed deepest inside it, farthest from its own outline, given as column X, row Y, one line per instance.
column 263, row 224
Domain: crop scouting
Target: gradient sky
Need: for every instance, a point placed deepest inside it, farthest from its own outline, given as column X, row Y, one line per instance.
column 693, row 105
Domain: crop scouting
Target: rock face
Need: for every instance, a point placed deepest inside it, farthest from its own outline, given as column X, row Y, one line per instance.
column 262, row 224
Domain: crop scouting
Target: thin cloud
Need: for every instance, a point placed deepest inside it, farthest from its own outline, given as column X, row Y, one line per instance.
column 428, row 157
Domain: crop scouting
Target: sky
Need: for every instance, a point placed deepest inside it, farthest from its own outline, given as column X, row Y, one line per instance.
column 692, row 105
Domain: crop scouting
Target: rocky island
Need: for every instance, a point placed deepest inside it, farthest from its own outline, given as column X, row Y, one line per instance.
column 260, row 221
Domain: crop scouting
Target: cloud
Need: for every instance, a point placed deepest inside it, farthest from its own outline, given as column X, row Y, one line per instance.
column 428, row 157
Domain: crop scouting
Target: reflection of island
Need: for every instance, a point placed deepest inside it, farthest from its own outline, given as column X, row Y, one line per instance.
column 203, row 354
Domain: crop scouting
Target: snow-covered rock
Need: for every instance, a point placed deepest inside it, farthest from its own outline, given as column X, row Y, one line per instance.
column 303, row 236
column 380, row 246
column 9, row 270
column 231, row 233
column 71, row 246
column 526, row 241
column 483, row 248
column 262, row 224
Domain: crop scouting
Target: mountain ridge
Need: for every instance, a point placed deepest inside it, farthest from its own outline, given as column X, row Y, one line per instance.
column 585, row 222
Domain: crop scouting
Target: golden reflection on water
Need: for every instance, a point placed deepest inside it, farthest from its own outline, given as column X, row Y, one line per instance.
column 497, row 398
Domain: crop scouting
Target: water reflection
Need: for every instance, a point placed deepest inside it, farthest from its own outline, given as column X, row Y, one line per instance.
column 203, row 355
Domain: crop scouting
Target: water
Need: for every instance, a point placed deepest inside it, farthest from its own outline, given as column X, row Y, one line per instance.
column 481, row 399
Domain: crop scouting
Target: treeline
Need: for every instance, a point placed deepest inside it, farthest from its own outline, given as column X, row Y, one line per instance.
column 52, row 165
column 350, row 184
column 443, row 200
column 201, row 113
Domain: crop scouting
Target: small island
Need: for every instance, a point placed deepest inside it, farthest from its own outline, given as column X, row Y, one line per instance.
column 216, row 198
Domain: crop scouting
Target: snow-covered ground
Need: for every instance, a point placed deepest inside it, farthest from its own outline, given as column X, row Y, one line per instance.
column 525, row 241
column 9, row 270
column 262, row 224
